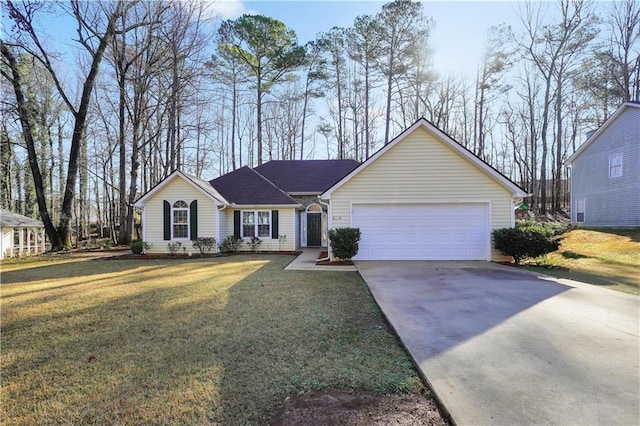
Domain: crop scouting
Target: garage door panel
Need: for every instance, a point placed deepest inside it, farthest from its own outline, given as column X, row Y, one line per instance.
column 422, row 231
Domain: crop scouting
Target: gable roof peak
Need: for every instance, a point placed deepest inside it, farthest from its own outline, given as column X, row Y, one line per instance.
column 447, row 140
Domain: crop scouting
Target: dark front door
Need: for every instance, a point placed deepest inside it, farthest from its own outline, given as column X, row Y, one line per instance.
column 314, row 229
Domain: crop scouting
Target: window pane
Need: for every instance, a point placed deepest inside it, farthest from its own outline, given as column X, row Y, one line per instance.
column 264, row 218
column 180, row 231
column 248, row 224
column 180, row 205
column 264, row 228
column 180, row 216
column 615, row 165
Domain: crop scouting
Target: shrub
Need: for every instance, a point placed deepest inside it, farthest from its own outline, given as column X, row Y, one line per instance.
column 526, row 241
column 344, row 242
column 230, row 244
column 254, row 243
column 174, row 246
column 204, row 244
column 138, row 246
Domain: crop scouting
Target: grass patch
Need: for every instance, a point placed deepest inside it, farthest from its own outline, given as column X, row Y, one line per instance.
column 602, row 257
column 195, row 341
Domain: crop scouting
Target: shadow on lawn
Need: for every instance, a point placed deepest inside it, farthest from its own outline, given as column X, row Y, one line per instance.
column 81, row 267
column 214, row 342
column 148, row 354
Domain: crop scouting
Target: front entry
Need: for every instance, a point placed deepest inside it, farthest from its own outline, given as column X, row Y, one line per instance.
column 314, row 229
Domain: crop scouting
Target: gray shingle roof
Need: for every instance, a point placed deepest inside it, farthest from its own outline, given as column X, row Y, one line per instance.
column 9, row 219
column 245, row 186
column 306, row 176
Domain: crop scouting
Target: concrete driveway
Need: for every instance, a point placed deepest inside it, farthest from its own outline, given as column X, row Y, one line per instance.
column 502, row 346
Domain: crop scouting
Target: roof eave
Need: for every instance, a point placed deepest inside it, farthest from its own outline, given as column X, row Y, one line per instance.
column 599, row 131
column 429, row 127
column 140, row 202
column 263, row 206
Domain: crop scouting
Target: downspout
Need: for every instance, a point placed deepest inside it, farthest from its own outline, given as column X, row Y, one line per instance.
column 224, row 206
column 324, row 259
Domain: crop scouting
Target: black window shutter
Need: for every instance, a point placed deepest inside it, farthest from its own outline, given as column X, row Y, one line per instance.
column 274, row 224
column 236, row 223
column 193, row 219
column 167, row 220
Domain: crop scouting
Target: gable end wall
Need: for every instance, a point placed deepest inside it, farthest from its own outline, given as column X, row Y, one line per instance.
column 421, row 168
column 610, row 201
column 177, row 189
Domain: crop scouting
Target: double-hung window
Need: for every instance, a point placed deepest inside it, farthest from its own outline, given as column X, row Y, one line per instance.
column 180, row 220
column 615, row 165
column 256, row 224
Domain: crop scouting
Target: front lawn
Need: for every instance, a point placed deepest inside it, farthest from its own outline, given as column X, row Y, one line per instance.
column 197, row 341
column 602, row 257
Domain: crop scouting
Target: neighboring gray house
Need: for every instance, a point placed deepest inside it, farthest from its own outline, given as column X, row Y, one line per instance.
column 605, row 172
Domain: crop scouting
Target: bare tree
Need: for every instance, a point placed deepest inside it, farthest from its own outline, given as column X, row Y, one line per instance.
column 553, row 49
column 97, row 23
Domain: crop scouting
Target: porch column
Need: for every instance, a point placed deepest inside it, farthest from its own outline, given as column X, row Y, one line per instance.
column 28, row 230
column 43, row 245
column 20, row 241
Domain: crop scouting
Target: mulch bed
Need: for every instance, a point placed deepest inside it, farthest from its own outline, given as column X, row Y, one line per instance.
column 150, row 256
column 324, row 254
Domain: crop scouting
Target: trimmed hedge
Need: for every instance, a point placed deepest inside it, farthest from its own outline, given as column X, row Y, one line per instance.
column 530, row 240
column 344, row 242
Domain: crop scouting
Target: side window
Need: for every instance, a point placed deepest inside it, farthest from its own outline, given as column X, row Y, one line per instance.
column 615, row 165
column 580, row 210
column 180, row 220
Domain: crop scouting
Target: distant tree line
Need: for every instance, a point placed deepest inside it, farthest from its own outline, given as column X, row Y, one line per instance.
column 81, row 140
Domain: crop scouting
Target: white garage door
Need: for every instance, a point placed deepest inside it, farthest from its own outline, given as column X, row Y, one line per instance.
column 422, row 231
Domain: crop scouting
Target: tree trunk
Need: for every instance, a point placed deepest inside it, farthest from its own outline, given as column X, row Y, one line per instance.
column 27, row 133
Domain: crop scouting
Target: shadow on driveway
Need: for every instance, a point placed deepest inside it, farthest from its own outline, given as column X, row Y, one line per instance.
column 459, row 300
column 504, row 346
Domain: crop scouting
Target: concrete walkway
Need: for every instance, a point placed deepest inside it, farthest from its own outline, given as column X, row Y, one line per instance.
column 502, row 346
column 306, row 261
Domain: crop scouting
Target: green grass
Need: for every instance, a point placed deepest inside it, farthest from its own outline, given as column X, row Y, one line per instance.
column 608, row 258
column 215, row 341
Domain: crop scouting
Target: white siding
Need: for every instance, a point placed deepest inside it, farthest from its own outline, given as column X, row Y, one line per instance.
column 6, row 243
column 286, row 226
column 423, row 169
column 177, row 189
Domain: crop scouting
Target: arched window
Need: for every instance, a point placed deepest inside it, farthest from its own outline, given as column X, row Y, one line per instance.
column 314, row 208
column 180, row 220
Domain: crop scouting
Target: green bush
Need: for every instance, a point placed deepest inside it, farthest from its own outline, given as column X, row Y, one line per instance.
column 230, row 244
column 526, row 241
column 344, row 242
column 204, row 244
column 138, row 246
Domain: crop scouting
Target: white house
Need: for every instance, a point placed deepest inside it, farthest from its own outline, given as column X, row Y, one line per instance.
column 21, row 235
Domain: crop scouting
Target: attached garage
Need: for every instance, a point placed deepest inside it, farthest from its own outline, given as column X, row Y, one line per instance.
column 423, row 196
column 423, row 231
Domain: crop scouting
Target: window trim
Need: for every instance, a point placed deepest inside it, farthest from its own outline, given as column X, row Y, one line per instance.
column 173, row 223
column 581, row 205
column 617, row 166
column 255, row 223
